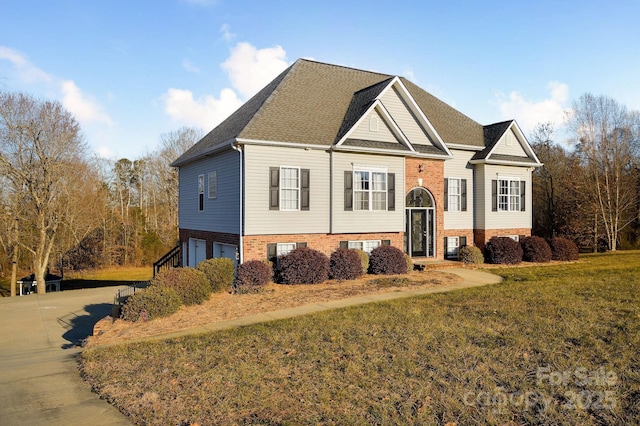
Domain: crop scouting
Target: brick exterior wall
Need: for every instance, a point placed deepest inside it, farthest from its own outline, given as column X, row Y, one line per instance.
column 209, row 237
column 432, row 176
column 481, row 236
column 255, row 246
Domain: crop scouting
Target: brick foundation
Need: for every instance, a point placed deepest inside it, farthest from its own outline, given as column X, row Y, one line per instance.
column 481, row 236
column 209, row 237
column 255, row 246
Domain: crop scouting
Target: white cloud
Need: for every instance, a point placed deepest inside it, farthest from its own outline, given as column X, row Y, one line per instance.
column 225, row 30
column 84, row 108
column 189, row 66
column 250, row 69
column 205, row 112
column 26, row 71
column 530, row 113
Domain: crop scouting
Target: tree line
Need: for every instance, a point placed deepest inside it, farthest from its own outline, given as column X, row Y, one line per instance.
column 62, row 208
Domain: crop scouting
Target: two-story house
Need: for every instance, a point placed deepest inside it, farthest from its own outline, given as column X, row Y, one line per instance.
column 329, row 156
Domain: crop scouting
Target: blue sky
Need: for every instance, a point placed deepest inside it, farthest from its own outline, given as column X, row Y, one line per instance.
column 133, row 70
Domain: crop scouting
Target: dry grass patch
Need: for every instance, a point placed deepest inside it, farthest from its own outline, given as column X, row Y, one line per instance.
column 225, row 306
column 550, row 345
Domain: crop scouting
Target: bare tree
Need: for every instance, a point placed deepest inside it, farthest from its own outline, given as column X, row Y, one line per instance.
column 41, row 154
column 608, row 136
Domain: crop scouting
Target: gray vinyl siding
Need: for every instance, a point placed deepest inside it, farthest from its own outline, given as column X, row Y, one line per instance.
column 383, row 134
column 405, row 119
column 514, row 149
column 259, row 219
column 221, row 214
column 367, row 221
column 459, row 167
column 511, row 219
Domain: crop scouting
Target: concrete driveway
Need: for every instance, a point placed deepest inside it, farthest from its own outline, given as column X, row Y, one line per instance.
column 39, row 379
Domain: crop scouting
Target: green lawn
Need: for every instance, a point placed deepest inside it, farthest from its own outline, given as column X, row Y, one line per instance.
column 550, row 345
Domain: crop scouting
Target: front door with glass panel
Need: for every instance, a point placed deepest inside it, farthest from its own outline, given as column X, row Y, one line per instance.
column 420, row 236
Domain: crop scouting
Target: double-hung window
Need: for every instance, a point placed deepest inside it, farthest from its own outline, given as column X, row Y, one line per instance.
column 508, row 194
column 454, row 194
column 370, row 190
column 366, row 245
column 289, row 188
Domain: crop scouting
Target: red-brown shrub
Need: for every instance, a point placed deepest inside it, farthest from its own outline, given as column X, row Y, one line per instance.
column 253, row 276
column 345, row 264
column 563, row 249
column 535, row 249
column 503, row 250
column 304, row 266
column 387, row 260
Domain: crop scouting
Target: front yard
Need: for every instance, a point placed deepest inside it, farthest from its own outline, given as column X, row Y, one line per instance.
column 555, row 344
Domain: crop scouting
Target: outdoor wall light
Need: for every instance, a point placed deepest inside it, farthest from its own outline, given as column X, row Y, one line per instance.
column 420, row 167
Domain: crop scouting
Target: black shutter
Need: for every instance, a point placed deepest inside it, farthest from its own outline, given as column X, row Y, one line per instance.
column 494, row 195
column 446, row 194
column 272, row 252
column 274, row 188
column 298, row 245
column 463, row 241
column 386, row 242
column 446, row 248
column 523, row 187
column 344, row 244
column 348, row 191
column 463, row 195
column 304, row 189
column 391, row 191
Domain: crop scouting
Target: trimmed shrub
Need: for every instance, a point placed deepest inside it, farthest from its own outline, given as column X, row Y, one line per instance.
column 409, row 262
column 345, row 264
column 253, row 276
column 220, row 272
column 364, row 260
column 503, row 250
column 152, row 302
column 470, row 255
column 387, row 260
column 535, row 249
column 304, row 266
column 191, row 285
column 563, row 249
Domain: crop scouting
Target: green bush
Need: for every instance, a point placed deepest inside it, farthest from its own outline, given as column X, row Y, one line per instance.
column 344, row 264
column 220, row 272
column 304, row 266
column 535, row 249
column 364, row 260
column 470, row 255
column 563, row 249
column 253, row 276
column 150, row 303
column 503, row 250
column 387, row 260
column 191, row 285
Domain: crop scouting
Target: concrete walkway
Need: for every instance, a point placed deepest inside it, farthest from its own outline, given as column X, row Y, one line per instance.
column 471, row 278
column 39, row 379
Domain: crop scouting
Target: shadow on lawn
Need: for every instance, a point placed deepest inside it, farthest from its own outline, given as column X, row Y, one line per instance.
column 77, row 284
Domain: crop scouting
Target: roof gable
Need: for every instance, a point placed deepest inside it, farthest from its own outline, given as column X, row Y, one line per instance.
column 506, row 143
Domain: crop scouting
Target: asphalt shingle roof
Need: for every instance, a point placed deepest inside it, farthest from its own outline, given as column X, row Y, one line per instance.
column 316, row 103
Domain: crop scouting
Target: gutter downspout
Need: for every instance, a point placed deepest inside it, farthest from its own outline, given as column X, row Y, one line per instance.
column 240, row 233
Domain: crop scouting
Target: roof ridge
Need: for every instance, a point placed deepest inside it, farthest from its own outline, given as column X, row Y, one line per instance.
column 344, row 67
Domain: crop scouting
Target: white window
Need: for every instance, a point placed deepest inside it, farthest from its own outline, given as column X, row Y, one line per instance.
column 366, row 245
column 213, row 184
column 289, row 188
column 370, row 190
column 508, row 195
column 453, row 245
column 455, row 195
column 201, row 193
column 284, row 248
